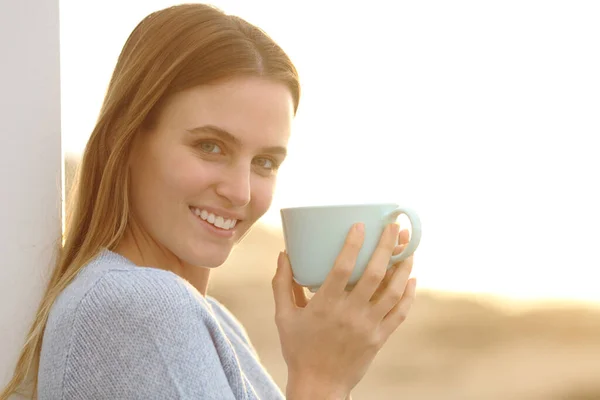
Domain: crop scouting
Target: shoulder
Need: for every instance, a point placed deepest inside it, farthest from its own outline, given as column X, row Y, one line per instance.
column 110, row 280
column 114, row 321
column 131, row 303
column 142, row 293
column 132, row 333
column 124, row 297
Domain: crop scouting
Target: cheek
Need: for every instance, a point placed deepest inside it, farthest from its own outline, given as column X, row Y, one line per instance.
column 166, row 179
column 262, row 195
column 183, row 174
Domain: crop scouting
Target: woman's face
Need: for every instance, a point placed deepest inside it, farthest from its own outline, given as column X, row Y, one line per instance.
column 206, row 170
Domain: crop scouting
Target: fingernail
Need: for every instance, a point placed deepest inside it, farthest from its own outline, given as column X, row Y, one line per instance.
column 395, row 229
column 360, row 227
column 280, row 259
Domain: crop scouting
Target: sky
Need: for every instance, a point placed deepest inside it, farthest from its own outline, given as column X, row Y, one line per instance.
column 483, row 116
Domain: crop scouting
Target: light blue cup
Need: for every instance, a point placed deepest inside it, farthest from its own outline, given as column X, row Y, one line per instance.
column 314, row 236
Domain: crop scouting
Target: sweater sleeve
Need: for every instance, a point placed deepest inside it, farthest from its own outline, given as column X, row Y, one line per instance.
column 236, row 326
column 143, row 336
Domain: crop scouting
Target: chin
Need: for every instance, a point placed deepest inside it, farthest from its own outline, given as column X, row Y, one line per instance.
column 207, row 256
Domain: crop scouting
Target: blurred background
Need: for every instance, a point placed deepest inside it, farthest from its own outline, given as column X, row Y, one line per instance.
column 483, row 116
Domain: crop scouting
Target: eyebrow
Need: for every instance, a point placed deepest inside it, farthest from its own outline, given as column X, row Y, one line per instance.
column 228, row 137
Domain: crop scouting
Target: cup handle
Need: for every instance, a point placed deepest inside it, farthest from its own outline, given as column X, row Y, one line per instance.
column 415, row 238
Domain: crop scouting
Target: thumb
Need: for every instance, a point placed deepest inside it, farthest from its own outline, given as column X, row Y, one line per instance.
column 282, row 285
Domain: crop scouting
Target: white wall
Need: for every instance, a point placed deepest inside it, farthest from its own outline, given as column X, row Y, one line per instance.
column 30, row 164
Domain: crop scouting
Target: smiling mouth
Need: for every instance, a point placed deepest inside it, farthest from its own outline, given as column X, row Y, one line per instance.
column 218, row 221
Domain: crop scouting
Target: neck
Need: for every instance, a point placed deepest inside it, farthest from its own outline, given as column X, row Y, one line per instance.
column 145, row 252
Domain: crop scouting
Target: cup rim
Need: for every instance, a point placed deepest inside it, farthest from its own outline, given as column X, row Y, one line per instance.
column 395, row 205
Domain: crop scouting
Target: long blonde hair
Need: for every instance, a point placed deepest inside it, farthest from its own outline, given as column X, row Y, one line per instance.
column 169, row 51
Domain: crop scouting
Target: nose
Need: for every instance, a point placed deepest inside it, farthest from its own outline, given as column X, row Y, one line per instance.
column 234, row 185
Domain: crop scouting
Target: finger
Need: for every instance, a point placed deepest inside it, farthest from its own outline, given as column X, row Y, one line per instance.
column 377, row 266
column 398, row 249
column 398, row 314
column 388, row 275
column 384, row 283
column 404, row 236
column 299, row 295
column 338, row 277
column 394, row 292
column 282, row 286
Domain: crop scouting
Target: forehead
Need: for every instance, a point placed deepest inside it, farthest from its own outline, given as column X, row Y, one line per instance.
column 255, row 110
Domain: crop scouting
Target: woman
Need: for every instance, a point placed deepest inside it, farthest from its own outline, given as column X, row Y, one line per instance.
column 181, row 163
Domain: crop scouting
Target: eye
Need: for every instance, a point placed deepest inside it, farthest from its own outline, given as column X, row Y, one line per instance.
column 266, row 163
column 210, row 147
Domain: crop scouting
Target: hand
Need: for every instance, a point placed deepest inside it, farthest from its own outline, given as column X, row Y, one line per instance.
column 330, row 341
column 301, row 299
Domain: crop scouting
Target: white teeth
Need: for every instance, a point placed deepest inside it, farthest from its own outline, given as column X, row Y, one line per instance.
column 216, row 220
column 226, row 224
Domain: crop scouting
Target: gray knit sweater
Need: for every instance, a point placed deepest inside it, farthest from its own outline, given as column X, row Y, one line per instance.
column 120, row 331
